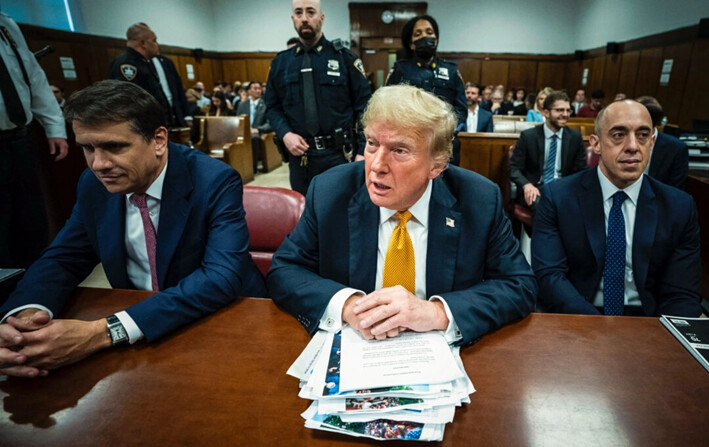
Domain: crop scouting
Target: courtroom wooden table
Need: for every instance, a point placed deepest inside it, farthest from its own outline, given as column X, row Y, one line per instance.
column 547, row 380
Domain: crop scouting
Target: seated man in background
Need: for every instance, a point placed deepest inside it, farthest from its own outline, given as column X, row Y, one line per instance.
column 546, row 152
column 611, row 240
column 479, row 119
column 159, row 216
column 400, row 241
column 669, row 162
column 256, row 109
column 498, row 105
column 591, row 110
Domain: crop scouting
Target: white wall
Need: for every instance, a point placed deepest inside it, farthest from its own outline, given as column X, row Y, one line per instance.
column 495, row 26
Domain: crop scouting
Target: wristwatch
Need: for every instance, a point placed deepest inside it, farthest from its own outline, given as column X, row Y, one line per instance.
column 116, row 330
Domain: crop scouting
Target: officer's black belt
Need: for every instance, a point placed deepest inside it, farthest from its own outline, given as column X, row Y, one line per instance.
column 13, row 134
column 321, row 143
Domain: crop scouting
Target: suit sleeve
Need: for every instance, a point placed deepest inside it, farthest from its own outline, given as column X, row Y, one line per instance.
column 293, row 281
column 680, row 167
column 680, row 284
column 489, row 127
column 225, row 272
column 550, row 263
column 508, row 290
column 518, row 161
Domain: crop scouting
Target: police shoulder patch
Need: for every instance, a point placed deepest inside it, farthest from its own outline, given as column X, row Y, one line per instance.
column 359, row 66
column 129, row 71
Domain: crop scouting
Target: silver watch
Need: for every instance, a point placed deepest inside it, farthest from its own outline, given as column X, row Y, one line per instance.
column 116, row 330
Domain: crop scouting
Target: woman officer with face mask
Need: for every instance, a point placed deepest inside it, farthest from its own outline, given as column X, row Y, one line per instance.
column 423, row 69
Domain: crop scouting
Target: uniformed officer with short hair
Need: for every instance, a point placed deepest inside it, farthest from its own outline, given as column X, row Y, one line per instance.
column 423, row 69
column 137, row 65
column 315, row 95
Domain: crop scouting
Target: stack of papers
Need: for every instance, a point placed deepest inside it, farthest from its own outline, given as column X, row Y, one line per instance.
column 406, row 387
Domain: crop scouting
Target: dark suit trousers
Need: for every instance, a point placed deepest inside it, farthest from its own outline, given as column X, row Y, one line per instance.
column 23, row 219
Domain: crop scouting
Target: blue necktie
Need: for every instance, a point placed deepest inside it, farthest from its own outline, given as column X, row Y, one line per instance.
column 253, row 111
column 550, row 165
column 614, row 270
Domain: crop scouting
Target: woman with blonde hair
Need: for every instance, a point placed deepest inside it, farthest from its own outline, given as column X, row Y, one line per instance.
column 535, row 115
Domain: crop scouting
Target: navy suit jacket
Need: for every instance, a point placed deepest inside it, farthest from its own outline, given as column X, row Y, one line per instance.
column 179, row 100
column 484, row 121
column 260, row 122
column 527, row 162
column 670, row 161
column 202, row 258
column 474, row 261
column 569, row 244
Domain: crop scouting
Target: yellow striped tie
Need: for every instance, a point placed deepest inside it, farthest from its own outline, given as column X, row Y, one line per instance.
column 399, row 265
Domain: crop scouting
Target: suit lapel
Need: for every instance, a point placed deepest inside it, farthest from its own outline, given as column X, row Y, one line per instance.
column 565, row 143
column 540, row 150
column 110, row 232
column 644, row 233
column 174, row 210
column 444, row 224
column 363, row 220
column 590, row 200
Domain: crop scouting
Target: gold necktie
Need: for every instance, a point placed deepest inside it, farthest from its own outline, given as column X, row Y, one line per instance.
column 399, row 266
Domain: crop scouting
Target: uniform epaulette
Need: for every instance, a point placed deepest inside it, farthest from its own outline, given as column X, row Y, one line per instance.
column 338, row 44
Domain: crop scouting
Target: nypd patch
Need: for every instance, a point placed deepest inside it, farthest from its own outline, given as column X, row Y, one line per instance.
column 359, row 66
column 129, row 71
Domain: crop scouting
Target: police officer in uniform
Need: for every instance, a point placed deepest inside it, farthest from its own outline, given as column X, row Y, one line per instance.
column 423, row 69
column 315, row 95
column 135, row 65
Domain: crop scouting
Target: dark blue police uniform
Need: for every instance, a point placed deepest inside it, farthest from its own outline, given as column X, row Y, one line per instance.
column 439, row 77
column 341, row 93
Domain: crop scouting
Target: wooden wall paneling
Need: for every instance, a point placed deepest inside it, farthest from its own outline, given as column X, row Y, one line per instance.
column 494, row 72
column 202, row 71
column 670, row 96
column 217, row 72
column 470, row 69
column 649, row 69
column 549, row 74
column 695, row 102
column 257, row 69
column 595, row 75
column 522, row 74
column 611, row 69
column 235, row 69
column 572, row 72
column 628, row 73
column 365, row 20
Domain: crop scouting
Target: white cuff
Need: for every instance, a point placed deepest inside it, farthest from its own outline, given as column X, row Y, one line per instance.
column 132, row 329
column 452, row 333
column 331, row 320
column 27, row 306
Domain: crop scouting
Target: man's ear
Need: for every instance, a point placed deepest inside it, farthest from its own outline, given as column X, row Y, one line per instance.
column 595, row 143
column 160, row 141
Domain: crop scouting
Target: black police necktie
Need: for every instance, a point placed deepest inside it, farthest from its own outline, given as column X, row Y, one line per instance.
column 13, row 105
column 309, row 103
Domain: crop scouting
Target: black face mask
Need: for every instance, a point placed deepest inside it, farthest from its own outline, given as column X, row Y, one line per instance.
column 425, row 47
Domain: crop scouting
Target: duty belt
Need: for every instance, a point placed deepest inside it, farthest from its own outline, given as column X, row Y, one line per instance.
column 321, row 143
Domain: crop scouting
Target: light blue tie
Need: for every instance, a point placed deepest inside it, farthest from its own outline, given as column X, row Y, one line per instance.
column 550, row 165
column 614, row 269
column 253, row 111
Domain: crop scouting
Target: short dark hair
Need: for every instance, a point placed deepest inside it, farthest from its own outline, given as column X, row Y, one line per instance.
column 472, row 84
column 293, row 41
column 556, row 95
column 255, row 82
column 653, row 106
column 113, row 101
column 598, row 94
column 408, row 30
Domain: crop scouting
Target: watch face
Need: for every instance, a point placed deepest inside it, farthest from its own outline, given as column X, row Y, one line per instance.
column 387, row 17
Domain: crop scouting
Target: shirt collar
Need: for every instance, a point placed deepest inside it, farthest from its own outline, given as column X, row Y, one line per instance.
column 419, row 210
column 548, row 133
column 155, row 189
column 608, row 188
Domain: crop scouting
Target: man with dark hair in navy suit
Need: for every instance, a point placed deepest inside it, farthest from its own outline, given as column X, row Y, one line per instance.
column 159, row 216
column 669, row 162
column 612, row 240
column 479, row 119
column 464, row 273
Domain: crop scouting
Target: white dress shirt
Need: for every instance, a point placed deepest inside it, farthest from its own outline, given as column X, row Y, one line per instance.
column 630, row 205
column 547, row 142
column 163, row 79
column 417, row 227
column 40, row 103
column 472, row 122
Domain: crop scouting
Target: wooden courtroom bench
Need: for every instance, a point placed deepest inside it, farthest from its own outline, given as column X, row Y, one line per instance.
column 228, row 138
column 496, row 118
column 271, row 157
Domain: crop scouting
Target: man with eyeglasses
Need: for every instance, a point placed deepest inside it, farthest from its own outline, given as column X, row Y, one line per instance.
column 546, row 152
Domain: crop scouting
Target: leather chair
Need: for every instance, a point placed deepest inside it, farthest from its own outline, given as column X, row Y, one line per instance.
column 271, row 214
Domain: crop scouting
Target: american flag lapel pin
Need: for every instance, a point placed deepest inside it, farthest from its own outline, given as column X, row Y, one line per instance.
column 450, row 222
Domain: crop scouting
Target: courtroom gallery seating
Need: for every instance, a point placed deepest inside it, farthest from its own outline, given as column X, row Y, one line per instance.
column 271, row 214
column 228, row 139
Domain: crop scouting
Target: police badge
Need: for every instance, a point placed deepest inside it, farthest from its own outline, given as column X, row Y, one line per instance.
column 333, row 67
column 129, row 71
column 443, row 73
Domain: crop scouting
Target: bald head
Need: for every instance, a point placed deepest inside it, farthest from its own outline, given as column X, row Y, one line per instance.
column 624, row 105
column 143, row 40
column 308, row 20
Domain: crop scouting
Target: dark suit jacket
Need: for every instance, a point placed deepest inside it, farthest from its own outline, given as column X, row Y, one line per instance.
column 179, row 100
column 474, row 261
column 260, row 122
column 484, row 121
column 203, row 260
column 569, row 243
column 527, row 162
column 670, row 161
